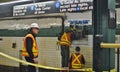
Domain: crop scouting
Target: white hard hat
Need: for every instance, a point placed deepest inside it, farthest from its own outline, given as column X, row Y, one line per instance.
column 34, row 25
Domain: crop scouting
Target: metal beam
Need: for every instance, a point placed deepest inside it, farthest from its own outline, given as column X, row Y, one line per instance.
column 103, row 59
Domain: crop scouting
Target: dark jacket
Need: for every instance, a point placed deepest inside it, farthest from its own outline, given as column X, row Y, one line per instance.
column 29, row 45
column 72, row 36
column 83, row 59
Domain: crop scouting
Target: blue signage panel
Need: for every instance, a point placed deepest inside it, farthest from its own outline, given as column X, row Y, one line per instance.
column 79, row 21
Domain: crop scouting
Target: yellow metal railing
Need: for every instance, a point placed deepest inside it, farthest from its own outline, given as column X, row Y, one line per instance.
column 41, row 66
column 112, row 45
column 109, row 45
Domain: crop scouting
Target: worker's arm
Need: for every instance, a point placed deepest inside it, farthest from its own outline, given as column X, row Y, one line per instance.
column 59, row 36
column 70, row 60
column 29, row 45
column 83, row 60
column 72, row 36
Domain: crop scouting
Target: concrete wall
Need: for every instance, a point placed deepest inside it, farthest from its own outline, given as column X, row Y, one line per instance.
column 118, row 15
column 49, row 53
column 25, row 23
column 88, row 15
column 6, row 47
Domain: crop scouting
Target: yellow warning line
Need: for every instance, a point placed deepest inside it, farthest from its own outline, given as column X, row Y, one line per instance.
column 41, row 66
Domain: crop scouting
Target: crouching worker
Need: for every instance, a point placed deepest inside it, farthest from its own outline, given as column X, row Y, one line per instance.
column 77, row 60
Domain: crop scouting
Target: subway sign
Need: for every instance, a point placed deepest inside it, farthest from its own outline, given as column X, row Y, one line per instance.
column 79, row 21
column 75, row 5
column 53, row 7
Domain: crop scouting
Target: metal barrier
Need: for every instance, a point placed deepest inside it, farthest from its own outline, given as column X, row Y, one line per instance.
column 109, row 45
column 112, row 45
column 44, row 67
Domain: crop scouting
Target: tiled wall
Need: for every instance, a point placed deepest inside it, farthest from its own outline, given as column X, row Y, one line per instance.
column 49, row 53
column 86, row 50
column 6, row 47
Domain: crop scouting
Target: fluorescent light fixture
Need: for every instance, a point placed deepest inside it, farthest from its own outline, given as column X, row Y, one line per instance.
column 14, row 2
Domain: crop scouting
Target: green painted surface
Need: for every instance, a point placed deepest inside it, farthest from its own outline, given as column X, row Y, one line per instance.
column 44, row 32
column 103, row 59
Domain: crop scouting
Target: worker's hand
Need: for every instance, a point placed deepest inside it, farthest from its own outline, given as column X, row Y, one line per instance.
column 58, row 42
column 69, row 65
column 35, row 60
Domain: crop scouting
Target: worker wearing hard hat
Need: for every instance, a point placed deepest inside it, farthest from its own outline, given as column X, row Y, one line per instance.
column 30, row 48
column 65, row 42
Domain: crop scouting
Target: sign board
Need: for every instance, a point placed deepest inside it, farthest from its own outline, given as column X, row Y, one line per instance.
column 75, row 5
column 34, row 8
column 79, row 22
column 112, row 19
column 53, row 7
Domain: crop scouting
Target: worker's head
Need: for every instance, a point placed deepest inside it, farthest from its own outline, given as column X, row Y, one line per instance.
column 71, row 26
column 34, row 28
column 77, row 49
column 77, row 27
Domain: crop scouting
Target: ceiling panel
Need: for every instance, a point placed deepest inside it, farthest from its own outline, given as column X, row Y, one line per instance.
column 6, row 0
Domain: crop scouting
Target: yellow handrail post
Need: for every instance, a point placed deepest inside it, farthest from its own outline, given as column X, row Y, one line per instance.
column 112, row 45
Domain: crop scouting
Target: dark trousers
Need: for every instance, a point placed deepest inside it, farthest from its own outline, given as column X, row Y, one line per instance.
column 30, row 68
column 65, row 51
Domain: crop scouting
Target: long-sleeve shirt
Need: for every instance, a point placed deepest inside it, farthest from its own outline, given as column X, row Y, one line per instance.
column 29, row 45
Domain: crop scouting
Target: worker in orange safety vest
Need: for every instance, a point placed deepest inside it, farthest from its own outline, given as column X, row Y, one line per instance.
column 30, row 48
column 65, row 42
column 77, row 60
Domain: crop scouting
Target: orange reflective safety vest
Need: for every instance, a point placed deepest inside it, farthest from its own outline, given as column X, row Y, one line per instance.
column 34, row 48
column 65, row 39
column 76, row 61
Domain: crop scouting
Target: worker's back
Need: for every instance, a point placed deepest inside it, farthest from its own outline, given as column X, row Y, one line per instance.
column 77, row 61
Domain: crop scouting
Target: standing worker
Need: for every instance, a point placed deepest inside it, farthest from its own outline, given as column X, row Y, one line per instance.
column 30, row 48
column 65, row 43
column 77, row 60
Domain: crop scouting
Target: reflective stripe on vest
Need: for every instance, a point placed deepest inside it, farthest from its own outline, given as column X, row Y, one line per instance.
column 64, row 40
column 76, row 59
column 34, row 48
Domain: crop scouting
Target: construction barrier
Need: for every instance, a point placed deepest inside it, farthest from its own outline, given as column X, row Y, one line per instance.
column 41, row 66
